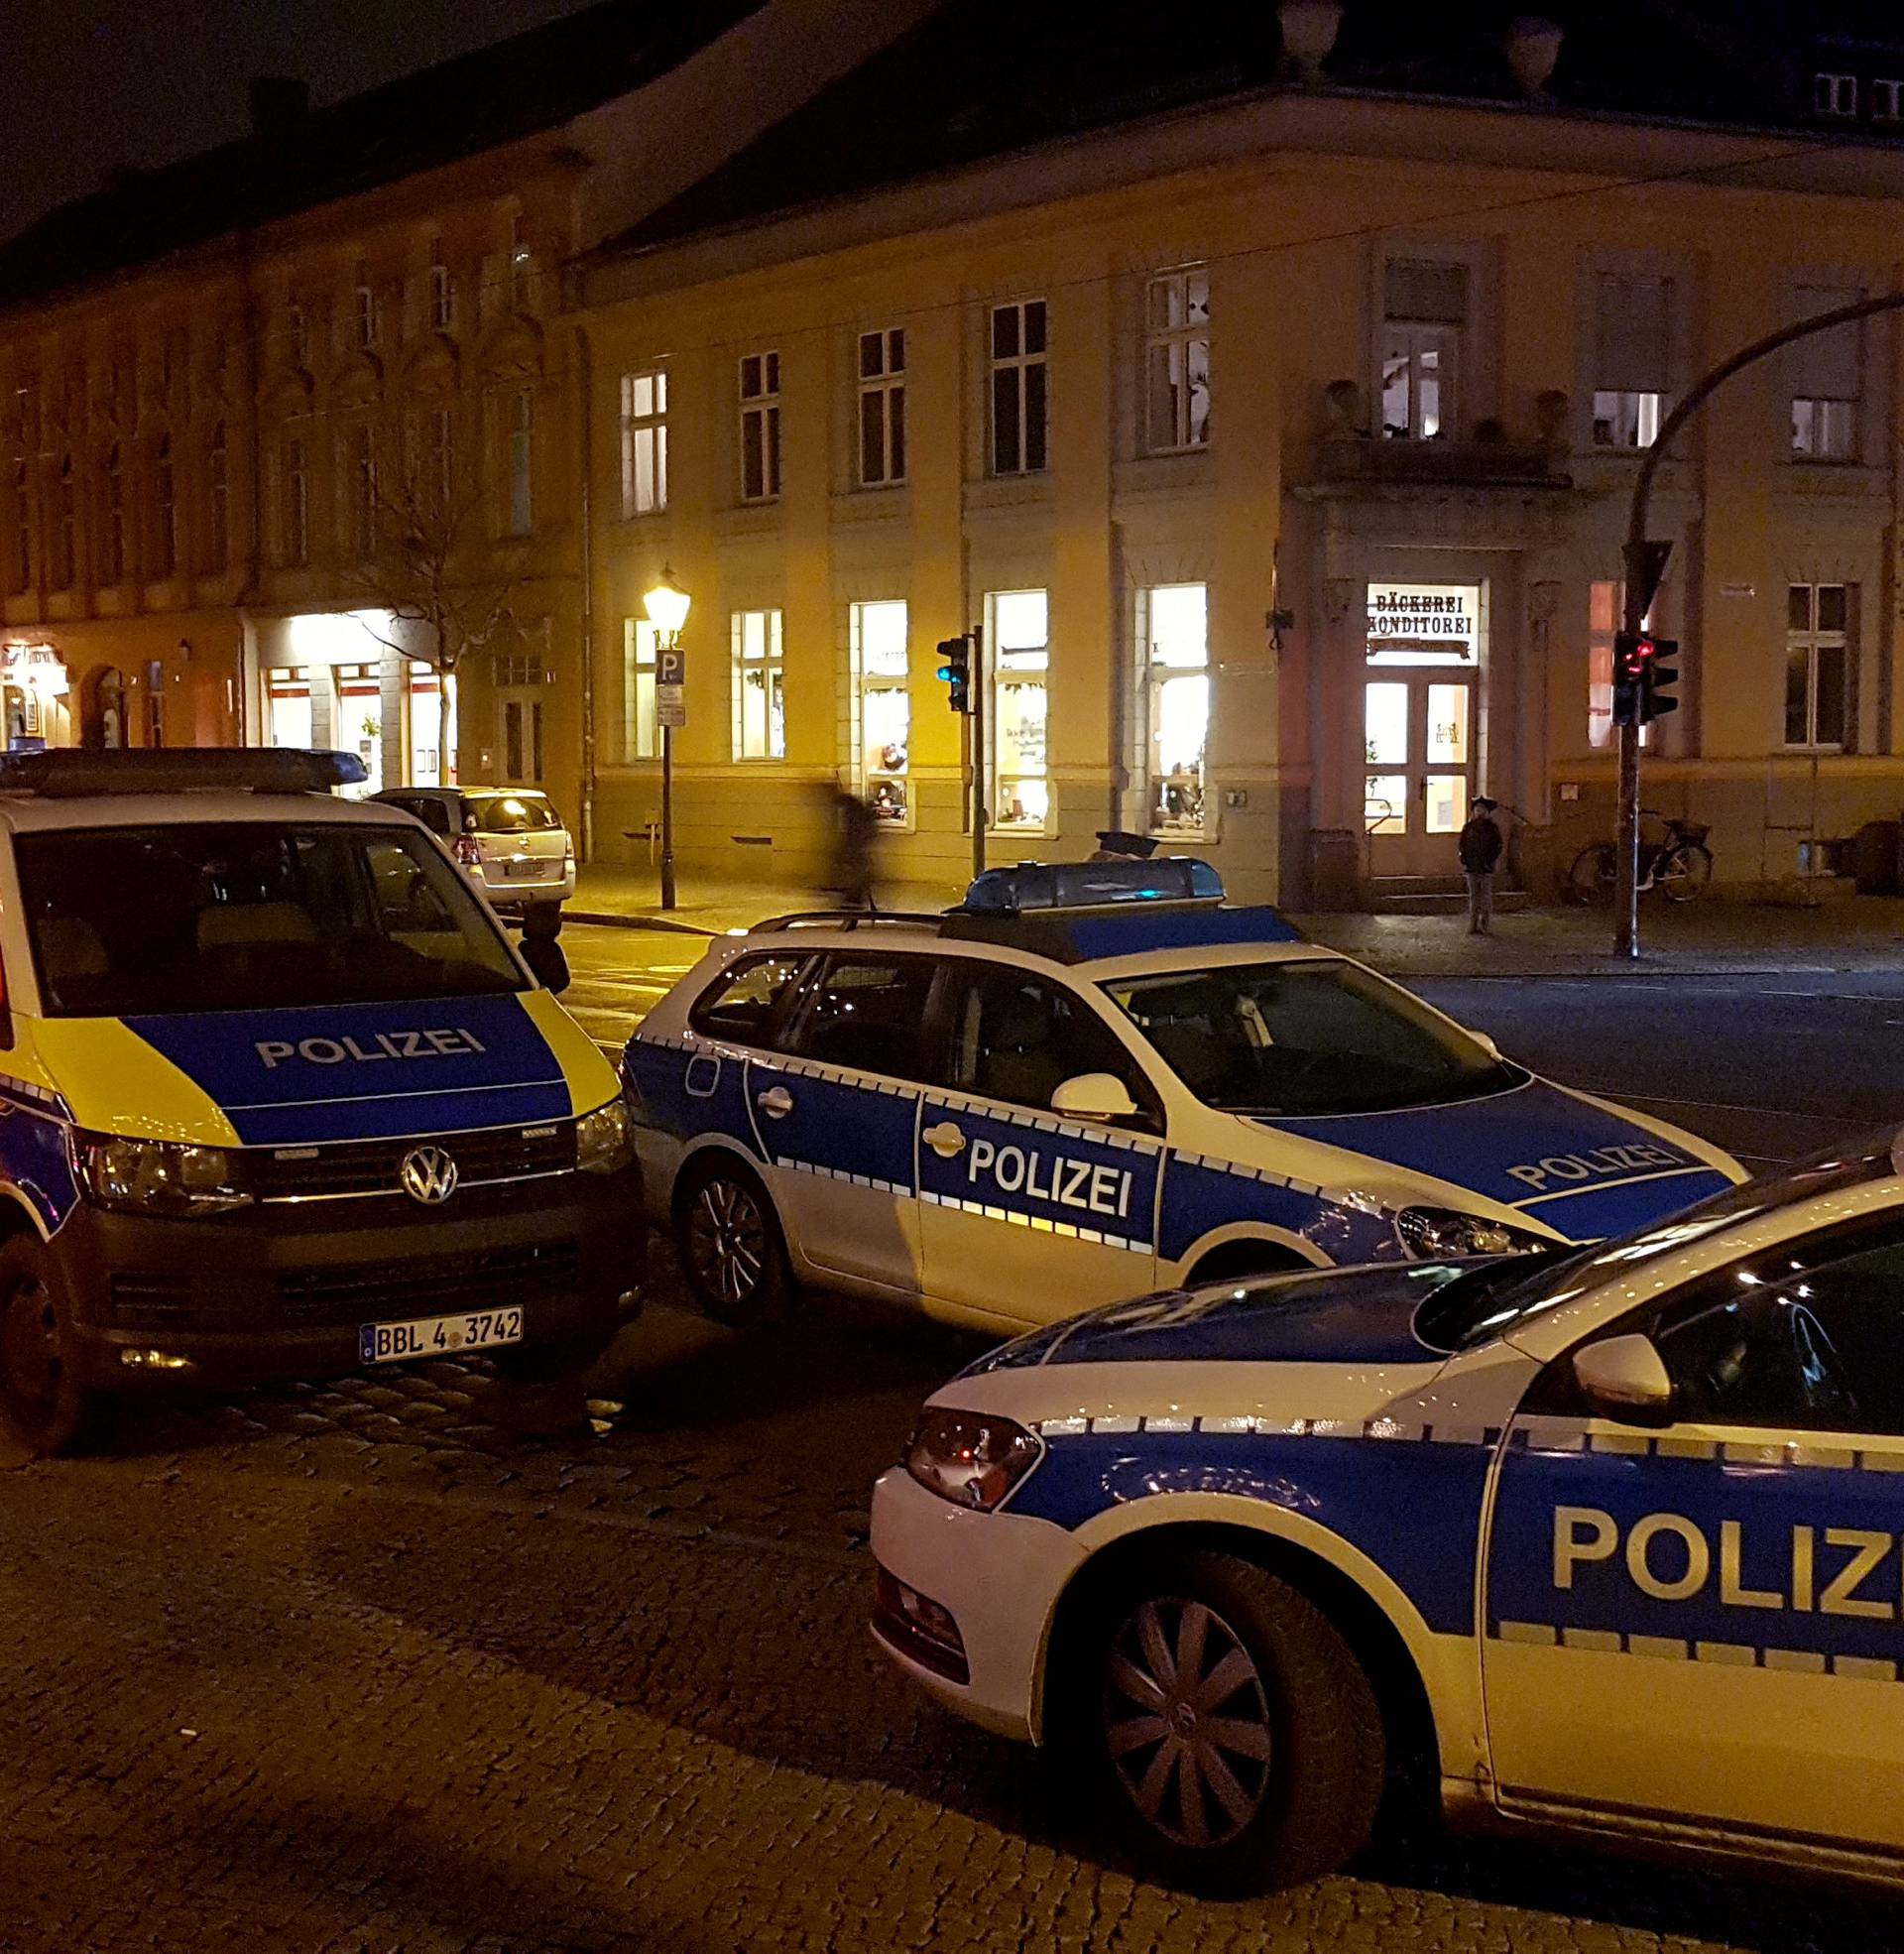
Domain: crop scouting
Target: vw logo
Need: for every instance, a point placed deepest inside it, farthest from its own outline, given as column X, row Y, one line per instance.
column 427, row 1174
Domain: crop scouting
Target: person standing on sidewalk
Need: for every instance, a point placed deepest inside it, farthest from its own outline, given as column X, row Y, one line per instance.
column 1481, row 846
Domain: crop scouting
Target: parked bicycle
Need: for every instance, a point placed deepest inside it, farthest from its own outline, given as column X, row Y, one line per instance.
column 1679, row 866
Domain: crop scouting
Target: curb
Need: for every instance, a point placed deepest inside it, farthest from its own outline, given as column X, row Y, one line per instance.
column 665, row 926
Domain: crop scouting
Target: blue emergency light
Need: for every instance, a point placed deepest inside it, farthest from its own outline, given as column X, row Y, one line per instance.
column 62, row 773
column 1091, row 885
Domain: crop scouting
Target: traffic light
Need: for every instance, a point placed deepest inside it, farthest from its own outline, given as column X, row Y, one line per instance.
column 1632, row 657
column 955, row 668
column 1654, row 702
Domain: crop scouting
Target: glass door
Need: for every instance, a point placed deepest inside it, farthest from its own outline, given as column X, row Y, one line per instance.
column 1419, row 751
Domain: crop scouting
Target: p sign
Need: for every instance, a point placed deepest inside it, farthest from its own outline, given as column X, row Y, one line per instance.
column 671, row 679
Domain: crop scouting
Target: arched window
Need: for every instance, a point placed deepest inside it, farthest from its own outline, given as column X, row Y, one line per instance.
column 165, row 509
column 217, row 502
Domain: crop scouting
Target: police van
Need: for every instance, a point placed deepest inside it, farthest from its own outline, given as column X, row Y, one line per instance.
column 278, row 1097
column 1088, row 1080
column 1606, row 1539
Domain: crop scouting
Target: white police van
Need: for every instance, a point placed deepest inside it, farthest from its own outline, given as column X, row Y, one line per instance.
column 1610, row 1540
column 1090, row 1080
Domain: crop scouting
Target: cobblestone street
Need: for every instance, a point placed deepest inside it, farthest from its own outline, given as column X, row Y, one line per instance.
column 421, row 1665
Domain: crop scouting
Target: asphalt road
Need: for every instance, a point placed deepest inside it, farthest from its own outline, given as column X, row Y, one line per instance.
column 421, row 1664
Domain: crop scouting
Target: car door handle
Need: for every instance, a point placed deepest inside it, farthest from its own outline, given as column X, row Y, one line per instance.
column 776, row 1102
column 945, row 1139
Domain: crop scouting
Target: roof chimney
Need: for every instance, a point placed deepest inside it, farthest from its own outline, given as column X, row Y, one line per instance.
column 279, row 104
column 1533, row 47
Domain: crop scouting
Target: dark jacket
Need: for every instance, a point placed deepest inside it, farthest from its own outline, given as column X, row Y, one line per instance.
column 1480, row 845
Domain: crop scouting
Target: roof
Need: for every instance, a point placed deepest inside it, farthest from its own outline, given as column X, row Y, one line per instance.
column 523, row 87
column 948, row 96
column 26, row 813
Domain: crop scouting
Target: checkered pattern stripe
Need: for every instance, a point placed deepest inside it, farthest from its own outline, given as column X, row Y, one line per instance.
column 1254, row 1426
column 1039, row 1225
column 1671, row 1648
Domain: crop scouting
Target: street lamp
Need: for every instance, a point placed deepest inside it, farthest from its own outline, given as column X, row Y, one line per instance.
column 666, row 606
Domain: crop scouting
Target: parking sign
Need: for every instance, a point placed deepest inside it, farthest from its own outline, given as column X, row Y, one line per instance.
column 671, row 679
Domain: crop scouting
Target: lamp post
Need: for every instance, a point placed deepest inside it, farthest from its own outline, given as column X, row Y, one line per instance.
column 666, row 606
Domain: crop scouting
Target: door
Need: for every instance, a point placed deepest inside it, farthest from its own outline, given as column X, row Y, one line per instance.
column 837, row 1115
column 1024, row 1216
column 1703, row 1622
column 1419, row 749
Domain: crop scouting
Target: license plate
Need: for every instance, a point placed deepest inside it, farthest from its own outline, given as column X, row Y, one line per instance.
column 526, row 868
column 438, row 1336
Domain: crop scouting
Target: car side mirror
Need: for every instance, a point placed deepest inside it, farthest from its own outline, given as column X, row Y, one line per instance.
column 1625, row 1377
column 547, row 960
column 1096, row 1096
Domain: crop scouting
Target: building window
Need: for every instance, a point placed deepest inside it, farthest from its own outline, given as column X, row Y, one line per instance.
column 164, row 509
column 440, row 457
column 217, row 501
column 112, row 563
column 1632, row 358
column 760, row 427
column 1829, row 382
column 643, row 443
column 881, row 707
column 1176, row 361
column 1834, row 94
column 65, row 561
column 288, row 705
column 1817, row 663
column 154, row 702
column 366, row 314
column 641, row 732
column 361, row 474
column 1173, row 624
column 357, row 725
column 1018, row 388
column 881, row 408
column 20, row 568
column 297, row 505
column 522, row 265
column 1019, row 661
column 760, row 714
column 520, row 460
column 442, row 290
column 1424, row 313
column 519, row 679
column 1887, row 102
column 298, row 333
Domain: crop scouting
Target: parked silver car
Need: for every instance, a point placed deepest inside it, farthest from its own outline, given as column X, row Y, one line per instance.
column 511, row 840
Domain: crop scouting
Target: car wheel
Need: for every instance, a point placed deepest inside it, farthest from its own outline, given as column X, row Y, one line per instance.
column 1236, row 1738
column 1243, row 1262
column 41, row 1398
column 729, row 1244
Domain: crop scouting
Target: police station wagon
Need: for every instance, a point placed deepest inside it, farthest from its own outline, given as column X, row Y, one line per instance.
column 1088, row 1080
column 1609, row 1539
column 278, row 1097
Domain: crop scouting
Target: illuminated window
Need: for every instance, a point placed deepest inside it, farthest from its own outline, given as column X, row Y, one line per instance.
column 1424, row 313
column 1019, row 383
column 1176, row 360
column 881, row 707
column 1818, row 634
column 1174, row 643
column 641, row 737
column 759, row 703
column 288, row 705
column 643, row 443
column 1020, row 659
column 1605, row 604
column 881, row 408
column 760, row 427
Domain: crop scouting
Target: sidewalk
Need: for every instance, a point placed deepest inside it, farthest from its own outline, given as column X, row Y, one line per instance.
column 1714, row 938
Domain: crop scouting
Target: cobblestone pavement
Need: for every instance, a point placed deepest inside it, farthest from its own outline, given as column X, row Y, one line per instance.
column 422, row 1665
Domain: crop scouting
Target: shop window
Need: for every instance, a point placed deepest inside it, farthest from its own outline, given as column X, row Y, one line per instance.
column 1818, row 637
column 1019, row 661
column 643, row 443
column 881, row 408
column 358, row 723
column 641, row 732
column 426, row 727
column 1174, row 643
column 760, row 384
column 1018, row 388
column 288, row 706
column 1176, row 360
column 1632, row 358
column 883, row 708
column 759, row 700
column 1828, row 381
column 1424, row 316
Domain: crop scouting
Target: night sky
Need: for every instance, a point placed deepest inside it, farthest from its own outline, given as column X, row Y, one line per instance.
column 84, row 86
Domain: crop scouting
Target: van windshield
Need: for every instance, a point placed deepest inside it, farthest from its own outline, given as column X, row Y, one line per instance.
column 248, row 915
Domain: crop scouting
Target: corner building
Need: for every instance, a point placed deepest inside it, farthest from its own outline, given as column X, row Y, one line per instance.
column 1273, row 410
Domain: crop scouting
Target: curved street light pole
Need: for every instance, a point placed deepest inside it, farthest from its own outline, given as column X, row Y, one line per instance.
column 1646, row 564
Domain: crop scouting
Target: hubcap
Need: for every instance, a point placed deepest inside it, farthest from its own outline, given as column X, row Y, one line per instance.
column 1186, row 1721
column 727, row 1240
column 32, row 1345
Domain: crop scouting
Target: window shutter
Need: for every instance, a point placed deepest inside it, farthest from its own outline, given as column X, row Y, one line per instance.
column 1426, row 294
column 1633, row 335
column 1829, row 363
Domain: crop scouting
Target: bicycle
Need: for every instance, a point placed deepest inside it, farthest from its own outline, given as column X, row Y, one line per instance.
column 1680, row 866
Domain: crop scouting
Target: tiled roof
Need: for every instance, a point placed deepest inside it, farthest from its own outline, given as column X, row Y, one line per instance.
column 534, row 82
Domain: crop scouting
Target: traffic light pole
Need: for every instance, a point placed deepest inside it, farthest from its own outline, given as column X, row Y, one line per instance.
column 975, row 720
column 1646, row 563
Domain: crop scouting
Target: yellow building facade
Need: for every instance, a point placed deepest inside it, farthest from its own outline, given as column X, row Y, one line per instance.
column 1282, row 450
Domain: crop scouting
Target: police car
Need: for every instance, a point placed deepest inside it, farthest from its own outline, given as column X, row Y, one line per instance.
column 278, row 1098
column 1090, row 1080
column 1609, row 1539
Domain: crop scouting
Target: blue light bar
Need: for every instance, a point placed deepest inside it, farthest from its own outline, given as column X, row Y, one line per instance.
column 66, row 772
column 1092, row 886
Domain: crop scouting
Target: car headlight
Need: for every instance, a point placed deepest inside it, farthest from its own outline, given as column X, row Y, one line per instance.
column 604, row 1139
column 972, row 1459
column 1430, row 1234
column 157, row 1176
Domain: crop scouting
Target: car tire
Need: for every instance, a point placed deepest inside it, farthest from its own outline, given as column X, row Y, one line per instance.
column 43, row 1401
column 1283, row 1786
column 1243, row 1262
column 728, row 1236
